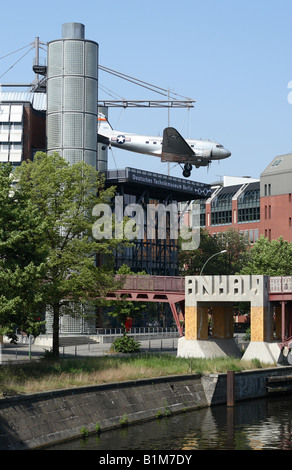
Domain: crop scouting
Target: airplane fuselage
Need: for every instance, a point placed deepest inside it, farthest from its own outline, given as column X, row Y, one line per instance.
column 170, row 148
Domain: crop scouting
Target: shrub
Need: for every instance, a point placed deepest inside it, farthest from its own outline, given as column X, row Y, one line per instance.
column 126, row 344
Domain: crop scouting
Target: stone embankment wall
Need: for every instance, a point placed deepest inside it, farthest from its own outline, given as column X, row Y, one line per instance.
column 37, row 420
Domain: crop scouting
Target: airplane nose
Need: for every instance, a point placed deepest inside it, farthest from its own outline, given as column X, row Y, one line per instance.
column 220, row 153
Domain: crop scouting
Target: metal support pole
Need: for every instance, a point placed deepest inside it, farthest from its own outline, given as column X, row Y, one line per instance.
column 37, row 58
column 230, row 388
column 283, row 320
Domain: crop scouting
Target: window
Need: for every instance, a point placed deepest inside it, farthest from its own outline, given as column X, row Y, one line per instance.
column 277, row 162
column 221, row 217
column 249, row 214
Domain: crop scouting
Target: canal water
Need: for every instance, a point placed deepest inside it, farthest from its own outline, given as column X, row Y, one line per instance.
column 261, row 424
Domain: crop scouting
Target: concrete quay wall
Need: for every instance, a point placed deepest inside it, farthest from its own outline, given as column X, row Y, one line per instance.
column 38, row 420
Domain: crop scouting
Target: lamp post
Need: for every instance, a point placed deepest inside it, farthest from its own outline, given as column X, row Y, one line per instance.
column 219, row 253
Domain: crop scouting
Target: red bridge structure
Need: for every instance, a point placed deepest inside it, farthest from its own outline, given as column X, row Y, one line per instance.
column 171, row 290
column 157, row 289
column 280, row 294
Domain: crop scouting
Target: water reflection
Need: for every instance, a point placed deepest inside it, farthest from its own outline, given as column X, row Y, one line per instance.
column 260, row 424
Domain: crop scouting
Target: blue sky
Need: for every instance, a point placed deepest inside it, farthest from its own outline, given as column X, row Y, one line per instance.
column 233, row 57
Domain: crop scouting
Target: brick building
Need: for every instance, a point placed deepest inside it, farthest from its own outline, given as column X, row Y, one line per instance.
column 275, row 197
column 253, row 207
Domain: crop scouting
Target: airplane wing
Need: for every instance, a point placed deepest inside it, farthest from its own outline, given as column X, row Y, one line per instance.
column 175, row 145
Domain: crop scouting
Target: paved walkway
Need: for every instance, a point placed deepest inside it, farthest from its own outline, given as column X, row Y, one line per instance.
column 21, row 352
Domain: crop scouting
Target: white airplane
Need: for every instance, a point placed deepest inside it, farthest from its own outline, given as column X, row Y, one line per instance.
column 172, row 147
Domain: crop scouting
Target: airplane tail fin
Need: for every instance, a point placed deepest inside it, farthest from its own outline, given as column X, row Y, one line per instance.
column 104, row 128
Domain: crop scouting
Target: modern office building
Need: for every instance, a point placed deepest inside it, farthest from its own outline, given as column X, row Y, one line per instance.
column 233, row 205
column 253, row 207
column 156, row 254
column 22, row 126
column 276, row 199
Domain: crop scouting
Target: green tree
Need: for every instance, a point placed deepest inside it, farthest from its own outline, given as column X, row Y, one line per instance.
column 272, row 258
column 191, row 262
column 236, row 246
column 65, row 196
column 22, row 258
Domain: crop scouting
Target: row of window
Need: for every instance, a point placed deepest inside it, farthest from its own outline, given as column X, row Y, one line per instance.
column 11, row 113
column 224, row 217
column 10, row 126
column 6, row 146
column 250, row 235
column 248, row 214
column 221, row 217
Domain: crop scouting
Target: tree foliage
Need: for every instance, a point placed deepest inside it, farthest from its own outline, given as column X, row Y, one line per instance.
column 63, row 196
column 230, row 262
column 272, row 258
column 22, row 258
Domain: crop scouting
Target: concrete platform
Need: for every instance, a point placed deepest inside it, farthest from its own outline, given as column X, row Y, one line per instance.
column 268, row 353
column 207, row 349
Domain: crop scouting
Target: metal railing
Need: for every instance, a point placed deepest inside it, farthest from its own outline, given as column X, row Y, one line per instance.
column 155, row 283
column 147, row 330
column 280, row 284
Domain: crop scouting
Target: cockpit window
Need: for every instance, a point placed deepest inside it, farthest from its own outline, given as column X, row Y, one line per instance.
column 219, row 146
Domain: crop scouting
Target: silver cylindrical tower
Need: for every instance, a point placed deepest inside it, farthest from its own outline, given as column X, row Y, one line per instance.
column 72, row 94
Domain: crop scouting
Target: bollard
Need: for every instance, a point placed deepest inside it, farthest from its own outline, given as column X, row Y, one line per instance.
column 230, row 388
column 29, row 347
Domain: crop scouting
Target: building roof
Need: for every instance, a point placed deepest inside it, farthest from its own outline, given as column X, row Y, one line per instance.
column 280, row 164
column 37, row 100
column 158, row 185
